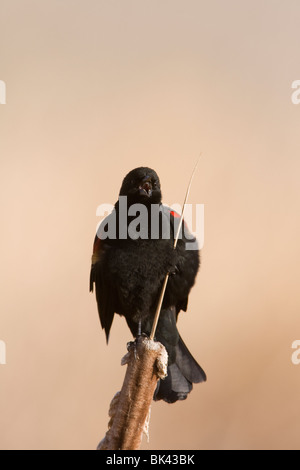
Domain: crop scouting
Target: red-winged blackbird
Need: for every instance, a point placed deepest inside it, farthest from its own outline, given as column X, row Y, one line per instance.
column 131, row 257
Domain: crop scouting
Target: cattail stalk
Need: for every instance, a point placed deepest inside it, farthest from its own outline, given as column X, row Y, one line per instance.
column 130, row 408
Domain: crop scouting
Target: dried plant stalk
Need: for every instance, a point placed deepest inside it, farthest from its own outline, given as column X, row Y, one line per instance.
column 129, row 410
column 162, row 294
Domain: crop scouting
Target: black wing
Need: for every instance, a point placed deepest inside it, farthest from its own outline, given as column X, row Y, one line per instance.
column 105, row 294
column 187, row 265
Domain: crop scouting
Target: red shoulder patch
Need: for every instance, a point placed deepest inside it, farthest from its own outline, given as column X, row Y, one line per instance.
column 97, row 244
column 96, row 250
column 175, row 214
column 178, row 216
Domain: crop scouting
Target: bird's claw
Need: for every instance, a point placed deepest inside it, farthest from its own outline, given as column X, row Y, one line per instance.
column 132, row 345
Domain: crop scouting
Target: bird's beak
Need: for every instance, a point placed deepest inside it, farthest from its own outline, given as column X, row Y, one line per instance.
column 145, row 188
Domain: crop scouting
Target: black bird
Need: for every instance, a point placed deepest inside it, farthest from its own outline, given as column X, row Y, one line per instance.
column 132, row 255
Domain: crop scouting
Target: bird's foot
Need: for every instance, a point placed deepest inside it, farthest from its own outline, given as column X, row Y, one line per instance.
column 132, row 345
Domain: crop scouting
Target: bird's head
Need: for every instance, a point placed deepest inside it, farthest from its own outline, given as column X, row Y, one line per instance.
column 142, row 186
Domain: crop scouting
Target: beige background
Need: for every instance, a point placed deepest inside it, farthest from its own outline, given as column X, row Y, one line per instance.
column 95, row 88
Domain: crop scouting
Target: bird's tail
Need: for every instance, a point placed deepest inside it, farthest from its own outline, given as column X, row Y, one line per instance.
column 183, row 370
column 182, row 374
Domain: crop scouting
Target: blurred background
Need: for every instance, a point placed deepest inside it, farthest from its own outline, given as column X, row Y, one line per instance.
column 94, row 89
